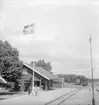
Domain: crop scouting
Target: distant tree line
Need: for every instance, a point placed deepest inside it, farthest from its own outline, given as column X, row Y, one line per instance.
column 70, row 77
column 95, row 80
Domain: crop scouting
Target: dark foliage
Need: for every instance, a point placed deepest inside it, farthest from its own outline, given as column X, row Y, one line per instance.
column 10, row 65
column 45, row 65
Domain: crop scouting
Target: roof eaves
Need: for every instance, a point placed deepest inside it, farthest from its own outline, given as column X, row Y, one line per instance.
column 35, row 71
column 3, row 80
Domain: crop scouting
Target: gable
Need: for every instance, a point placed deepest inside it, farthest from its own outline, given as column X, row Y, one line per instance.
column 41, row 72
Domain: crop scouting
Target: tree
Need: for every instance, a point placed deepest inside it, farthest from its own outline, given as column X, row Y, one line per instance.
column 10, row 65
column 70, row 77
column 44, row 65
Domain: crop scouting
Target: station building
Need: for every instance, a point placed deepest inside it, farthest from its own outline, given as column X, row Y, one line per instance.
column 78, row 80
column 81, row 81
column 35, row 76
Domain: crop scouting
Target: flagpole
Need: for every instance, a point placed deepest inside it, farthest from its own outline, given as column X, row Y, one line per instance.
column 33, row 83
column 33, row 68
column 29, row 29
column 33, row 74
column 93, row 99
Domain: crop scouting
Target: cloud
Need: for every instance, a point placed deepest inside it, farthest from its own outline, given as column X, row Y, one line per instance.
column 71, row 68
column 44, row 2
column 61, row 33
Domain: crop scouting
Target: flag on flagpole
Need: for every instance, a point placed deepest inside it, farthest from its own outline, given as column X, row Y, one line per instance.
column 29, row 29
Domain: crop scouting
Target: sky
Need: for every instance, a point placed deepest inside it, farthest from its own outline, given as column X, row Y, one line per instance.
column 62, row 29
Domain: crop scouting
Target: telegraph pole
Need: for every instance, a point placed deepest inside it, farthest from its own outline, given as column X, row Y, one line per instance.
column 93, row 99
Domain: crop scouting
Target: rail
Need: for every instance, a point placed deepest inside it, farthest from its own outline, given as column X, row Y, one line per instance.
column 63, row 98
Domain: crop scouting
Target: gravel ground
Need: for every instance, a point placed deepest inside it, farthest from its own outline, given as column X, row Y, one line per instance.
column 40, row 99
column 84, row 97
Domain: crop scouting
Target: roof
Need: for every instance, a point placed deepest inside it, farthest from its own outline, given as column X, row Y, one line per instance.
column 42, row 72
column 80, row 78
column 3, row 80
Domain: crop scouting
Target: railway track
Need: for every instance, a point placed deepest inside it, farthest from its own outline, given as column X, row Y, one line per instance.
column 60, row 100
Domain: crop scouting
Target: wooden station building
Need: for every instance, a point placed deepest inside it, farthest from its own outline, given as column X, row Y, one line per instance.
column 35, row 76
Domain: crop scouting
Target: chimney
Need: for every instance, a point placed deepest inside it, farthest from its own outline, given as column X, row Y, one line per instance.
column 33, row 64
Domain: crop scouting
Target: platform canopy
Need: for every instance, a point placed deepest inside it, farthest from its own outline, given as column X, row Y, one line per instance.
column 44, row 73
column 2, row 80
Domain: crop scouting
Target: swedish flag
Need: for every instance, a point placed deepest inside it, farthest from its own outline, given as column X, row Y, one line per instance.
column 29, row 29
